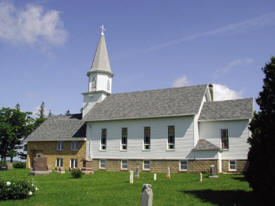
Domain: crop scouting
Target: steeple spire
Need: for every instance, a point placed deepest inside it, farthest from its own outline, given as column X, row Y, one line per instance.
column 101, row 63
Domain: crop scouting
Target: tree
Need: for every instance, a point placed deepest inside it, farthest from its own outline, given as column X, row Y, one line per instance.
column 42, row 110
column 42, row 117
column 260, row 171
column 17, row 106
column 68, row 113
column 14, row 127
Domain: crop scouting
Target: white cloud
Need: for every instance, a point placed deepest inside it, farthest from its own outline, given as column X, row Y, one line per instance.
column 31, row 25
column 180, row 82
column 253, row 23
column 235, row 63
column 222, row 92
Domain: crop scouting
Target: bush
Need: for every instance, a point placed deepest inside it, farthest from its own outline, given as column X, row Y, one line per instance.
column 19, row 165
column 20, row 189
column 76, row 173
column 3, row 165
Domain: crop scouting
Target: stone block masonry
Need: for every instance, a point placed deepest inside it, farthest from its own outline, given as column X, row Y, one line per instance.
column 49, row 150
column 160, row 166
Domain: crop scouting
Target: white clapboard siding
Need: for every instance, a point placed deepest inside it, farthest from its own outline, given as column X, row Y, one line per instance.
column 184, row 138
column 238, row 134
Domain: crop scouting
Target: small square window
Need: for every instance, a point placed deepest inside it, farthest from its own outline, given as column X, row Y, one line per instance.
column 74, row 146
column 183, row 165
column 124, row 164
column 146, row 165
column 232, row 165
column 102, row 164
column 60, row 146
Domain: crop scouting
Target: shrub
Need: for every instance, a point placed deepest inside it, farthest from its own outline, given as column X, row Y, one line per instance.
column 19, row 165
column 20, row 189
column 3, row 164
column 76, row 173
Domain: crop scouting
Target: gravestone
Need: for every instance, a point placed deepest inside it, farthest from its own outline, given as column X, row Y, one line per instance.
column 40, row 164
column 200, row 177
column 168, row 173
column 155, row 176
column 213, row 171
column 146, row 195
column 137, row 172
column 131, row 176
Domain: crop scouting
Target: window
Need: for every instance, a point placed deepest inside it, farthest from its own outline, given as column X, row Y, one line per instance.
column 73, row 163
column 108, row 85
column 74, row 146
column 59, row 162
column 147, row 138
column 146, row 165
column 124, row 164
column 183, row 165
column 224, row 138
column 171, row 137
column 94, row 82
column 232, row 165
column 103, row 139
column 60, row 146
column 124, row 134
column 102, row 164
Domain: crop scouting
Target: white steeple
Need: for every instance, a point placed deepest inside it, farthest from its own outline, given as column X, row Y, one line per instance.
column 100, row 76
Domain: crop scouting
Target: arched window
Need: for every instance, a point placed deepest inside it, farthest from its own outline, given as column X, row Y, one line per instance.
column 108, row 84
column 94, row 82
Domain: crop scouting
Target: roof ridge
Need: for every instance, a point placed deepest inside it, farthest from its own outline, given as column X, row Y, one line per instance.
column 151, row 90
column 228, row 100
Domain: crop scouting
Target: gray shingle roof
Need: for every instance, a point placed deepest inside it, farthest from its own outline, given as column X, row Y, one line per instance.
column 60, row 128
column 204, row 145
column 146, row 104
column 227, row 110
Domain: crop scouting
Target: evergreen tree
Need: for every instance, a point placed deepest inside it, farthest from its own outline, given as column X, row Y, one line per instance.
column 17, row 106
column 42, row 110
column 50, row 113
column 260, row 171
column 68, row 113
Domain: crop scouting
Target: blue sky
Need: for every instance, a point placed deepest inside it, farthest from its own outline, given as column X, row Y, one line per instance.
column 47, row 47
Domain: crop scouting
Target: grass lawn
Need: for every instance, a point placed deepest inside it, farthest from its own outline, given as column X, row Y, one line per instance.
column 113, row 188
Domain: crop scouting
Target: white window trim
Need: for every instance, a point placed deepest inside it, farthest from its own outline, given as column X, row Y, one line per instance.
column 180, row 165
column 74, row 163
column 232, row 170
column 121, row 165
column 62, row 146
column 121, row 145
column 58, row 161
column 224, row 149
column 103, row 168
column 74, row 148
column 167, row 145
column 143, row 145
column 146, row 169
column 100, row 146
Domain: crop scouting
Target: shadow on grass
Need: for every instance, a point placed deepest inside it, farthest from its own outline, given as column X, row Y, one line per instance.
column 225, row 197
column 242, row 179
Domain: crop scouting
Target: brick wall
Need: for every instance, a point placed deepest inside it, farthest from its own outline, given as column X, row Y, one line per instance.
column 49, row 150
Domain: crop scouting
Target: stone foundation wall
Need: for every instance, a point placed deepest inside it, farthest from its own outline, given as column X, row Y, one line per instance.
column 49, row 150
column 159, row 166
column 241, row 165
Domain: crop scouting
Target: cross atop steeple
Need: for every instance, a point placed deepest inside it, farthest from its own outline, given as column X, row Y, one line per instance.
column 102, row 29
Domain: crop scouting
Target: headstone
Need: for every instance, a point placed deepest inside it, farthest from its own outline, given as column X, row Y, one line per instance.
column 146, row 195
column 155, row 176
column 137, row 172
column 40, row 164
column 200, row 177
column 131, row 176
column 168, row 173
column 213, row 171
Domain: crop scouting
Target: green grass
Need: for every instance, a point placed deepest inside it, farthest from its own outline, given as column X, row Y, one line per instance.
column 113, row 188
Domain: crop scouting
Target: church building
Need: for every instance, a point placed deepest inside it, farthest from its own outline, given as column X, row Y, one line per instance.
column 182, row 128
